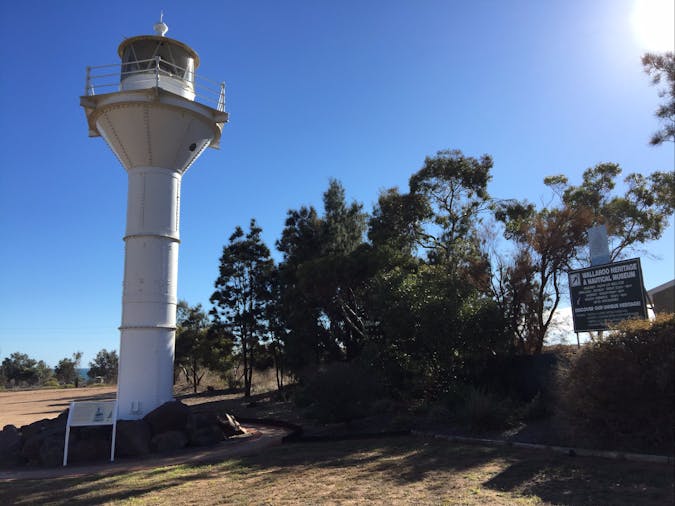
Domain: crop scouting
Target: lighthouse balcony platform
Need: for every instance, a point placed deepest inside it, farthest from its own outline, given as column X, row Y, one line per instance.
column 155, row 73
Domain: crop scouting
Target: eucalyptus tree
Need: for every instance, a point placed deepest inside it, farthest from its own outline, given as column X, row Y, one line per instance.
column 66, row 370
column 104, row 365
column 638, row 216
column 454, row 187
column 661, row 68
column 530, row 289
column 551, row 240
column 19, row 369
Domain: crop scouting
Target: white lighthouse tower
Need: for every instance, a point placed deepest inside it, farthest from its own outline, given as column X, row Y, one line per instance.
column 157, row 118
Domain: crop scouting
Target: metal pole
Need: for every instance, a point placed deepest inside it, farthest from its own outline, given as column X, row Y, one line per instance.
column 87, row 84
column 157, row 58
column 221, row 99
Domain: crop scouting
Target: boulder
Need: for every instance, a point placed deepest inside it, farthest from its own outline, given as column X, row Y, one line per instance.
column 34, row 435
column 169, row 441
column 199, row 429
column 51, row 451
column 10, row 445
column 205, row 436
column 170, row 416
column 133, row 438
column 30, row 450
column 201, row 420
column 89, row 449
column 10, row 440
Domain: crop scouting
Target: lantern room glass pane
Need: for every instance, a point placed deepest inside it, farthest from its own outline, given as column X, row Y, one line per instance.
column 139, row 56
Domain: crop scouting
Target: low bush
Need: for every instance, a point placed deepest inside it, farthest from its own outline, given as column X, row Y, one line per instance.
column 481, row 410
column 51, row 383
column 536, row 409
column 618, row 392
column 339, row 392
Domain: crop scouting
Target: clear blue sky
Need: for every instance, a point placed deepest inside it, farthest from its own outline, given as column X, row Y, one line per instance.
column 356, row 90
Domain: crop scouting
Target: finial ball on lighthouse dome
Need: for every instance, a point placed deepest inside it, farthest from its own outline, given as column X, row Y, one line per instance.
column 160, row 27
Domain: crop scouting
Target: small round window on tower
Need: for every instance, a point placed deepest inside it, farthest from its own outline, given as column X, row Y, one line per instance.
column 193, row 146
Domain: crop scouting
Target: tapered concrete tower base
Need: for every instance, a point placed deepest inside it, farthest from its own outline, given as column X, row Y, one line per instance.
column 150, row 285
column 156, row 130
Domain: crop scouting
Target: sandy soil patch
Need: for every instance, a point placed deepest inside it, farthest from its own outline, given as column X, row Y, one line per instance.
column 27, row 406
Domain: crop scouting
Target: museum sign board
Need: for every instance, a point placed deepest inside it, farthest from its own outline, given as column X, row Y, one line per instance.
column 604, row 295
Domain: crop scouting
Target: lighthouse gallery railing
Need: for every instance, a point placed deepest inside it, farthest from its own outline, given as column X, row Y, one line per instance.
column 206, row 91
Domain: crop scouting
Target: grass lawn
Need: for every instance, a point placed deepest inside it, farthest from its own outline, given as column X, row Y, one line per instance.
column 407, row 470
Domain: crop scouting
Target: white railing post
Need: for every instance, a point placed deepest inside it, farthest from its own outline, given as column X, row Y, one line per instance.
column 221, row 98
column 87, row 86
column 157, row 59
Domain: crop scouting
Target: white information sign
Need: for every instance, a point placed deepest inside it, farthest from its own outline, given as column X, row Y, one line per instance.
column 88, row 413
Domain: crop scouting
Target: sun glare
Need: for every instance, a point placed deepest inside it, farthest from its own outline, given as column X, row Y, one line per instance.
column 654, row 24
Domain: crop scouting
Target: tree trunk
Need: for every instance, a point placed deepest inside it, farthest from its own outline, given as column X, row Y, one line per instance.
column 247, row 378
column 194, row 376
column 278, row 368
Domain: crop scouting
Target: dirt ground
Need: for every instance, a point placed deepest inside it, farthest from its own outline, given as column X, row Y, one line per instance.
column 27, row 406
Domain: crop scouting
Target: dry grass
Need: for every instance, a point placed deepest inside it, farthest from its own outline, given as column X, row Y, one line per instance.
column 407, row 470
column 262, row 382
column 388, row 471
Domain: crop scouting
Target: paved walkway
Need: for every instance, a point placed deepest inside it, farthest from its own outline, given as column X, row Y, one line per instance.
column 259, row 438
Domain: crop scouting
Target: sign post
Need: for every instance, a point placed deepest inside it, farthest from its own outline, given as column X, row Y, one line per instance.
column 89, row 413
column 603, row 295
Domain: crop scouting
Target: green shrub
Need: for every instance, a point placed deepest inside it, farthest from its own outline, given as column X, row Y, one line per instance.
column 536, row 409
column 51, row 383
column 618, row 392
column 232, row 381
column 339, row 392
column 481, row 410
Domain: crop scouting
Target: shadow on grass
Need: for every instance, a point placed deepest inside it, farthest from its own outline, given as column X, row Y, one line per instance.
column 385, row 462
column 562, row 479
column 558, row 479
column 96, row 489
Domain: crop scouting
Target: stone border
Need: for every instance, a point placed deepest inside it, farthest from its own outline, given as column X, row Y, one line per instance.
column 571, row 451
column 297, row 436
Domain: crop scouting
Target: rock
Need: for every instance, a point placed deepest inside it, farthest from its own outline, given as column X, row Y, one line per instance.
column 133, row 438
column 10, row 440
column 35, row 434
column 89, row 449
column 170, row 416
column 30, row 451
column 206, row 436
column 10, row 445
column 45, row 427
column 168, row 441
column 203, row 429
column 51, row 451
column 229, row 425
column 201, row 420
